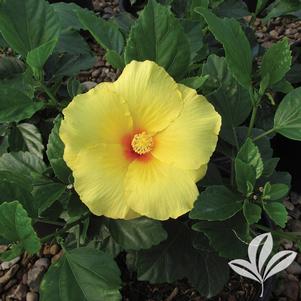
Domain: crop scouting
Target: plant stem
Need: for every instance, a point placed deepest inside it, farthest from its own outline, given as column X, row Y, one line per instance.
column 52, row 99
column 44, row 221
column 287, row 235
column 264, row 134
column 65, row 228
column 252, row 120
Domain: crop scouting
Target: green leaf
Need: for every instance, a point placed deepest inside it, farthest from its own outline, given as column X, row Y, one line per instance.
column 66, row 13
column 175, row 259
column 229, row 238
column 249, row 154
column 106, row 33
column 69, row 64
column 46, row 193
column 35, row 25
column 26, row 137
column 236, row 45
column 55, row 152
column 37, row 57
column 115, row 59
column 137, row 234
column 82, row 274
column 276, row 62
column 233, row 9
column 283, row 7
column 23, row 163
column 229, row 98
column 252, row 212
column 71, row 41
column 158, row 36
column 16, row 105
column 73, row 87
column 269, row 166
column 278, row 191
column 13, row 188
column 10, row 66
column 245, row 176
column 194, row 34
column 216, row 203
column 195, row 82
column 277, row 212
column 287, row 120
column 15, row 226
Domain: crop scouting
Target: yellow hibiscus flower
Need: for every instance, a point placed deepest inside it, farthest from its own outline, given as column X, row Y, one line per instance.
column 138, row 146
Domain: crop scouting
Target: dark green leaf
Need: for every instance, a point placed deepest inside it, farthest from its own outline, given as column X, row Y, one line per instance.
column 37, row 57
column 194, row 34
column 115, row 59
column 26, row 25
column 26, row 137
column 277, row 212
column 137, row 234
column 283, row 7
column 55, row 152
column 175, row 259
column 67, row 15
column 269, row 166
column 287, row 120
column 15, row 226
column 74, row 87
column 10, row 66
column 82, row 274
column 195, row 82
column 236, row 45
column 158, row 36
column 106, row 33
column 249, row 154
column 245, row 176
column 69, row 64
column 278, row 191
column 229, row 98
column 23, row 163
column 229, row 238
column 232, row 9
column 252, row 212
column 276, row 62
column 46, row 193
column 16, row 105
column 216, row 203
column 13, row 189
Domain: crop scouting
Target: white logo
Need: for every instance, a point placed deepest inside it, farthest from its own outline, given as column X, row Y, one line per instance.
column 258, row 268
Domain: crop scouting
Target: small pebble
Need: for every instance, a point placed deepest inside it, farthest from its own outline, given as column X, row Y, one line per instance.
column 294, row 268
column 8, row 264
column 30, row 296
column 54, row 249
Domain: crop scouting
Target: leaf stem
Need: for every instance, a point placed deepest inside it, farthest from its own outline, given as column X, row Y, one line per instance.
column 252, row 120
column 52, row 99
column 264, row 134
column 44, row 221
column 65, row 228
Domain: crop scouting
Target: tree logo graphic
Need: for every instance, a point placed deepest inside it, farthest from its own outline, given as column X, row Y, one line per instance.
column 259, row 268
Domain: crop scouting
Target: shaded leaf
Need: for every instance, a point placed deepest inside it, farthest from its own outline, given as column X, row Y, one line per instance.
column 15, row 226
column 158, row 36
column 252, row 212
column 236, row 45
column 216, row 203
column 82, row 274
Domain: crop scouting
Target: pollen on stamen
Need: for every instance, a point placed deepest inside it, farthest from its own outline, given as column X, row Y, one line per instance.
column 142, row 143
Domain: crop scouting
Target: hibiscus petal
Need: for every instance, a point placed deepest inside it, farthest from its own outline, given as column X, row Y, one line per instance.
column 152, row 95
column 99, row 174
column 191, row 139
column 98, row 116
column 158, row 190
column 198, row 174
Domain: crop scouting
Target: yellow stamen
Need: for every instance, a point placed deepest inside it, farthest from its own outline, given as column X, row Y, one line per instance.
column 142, row 143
